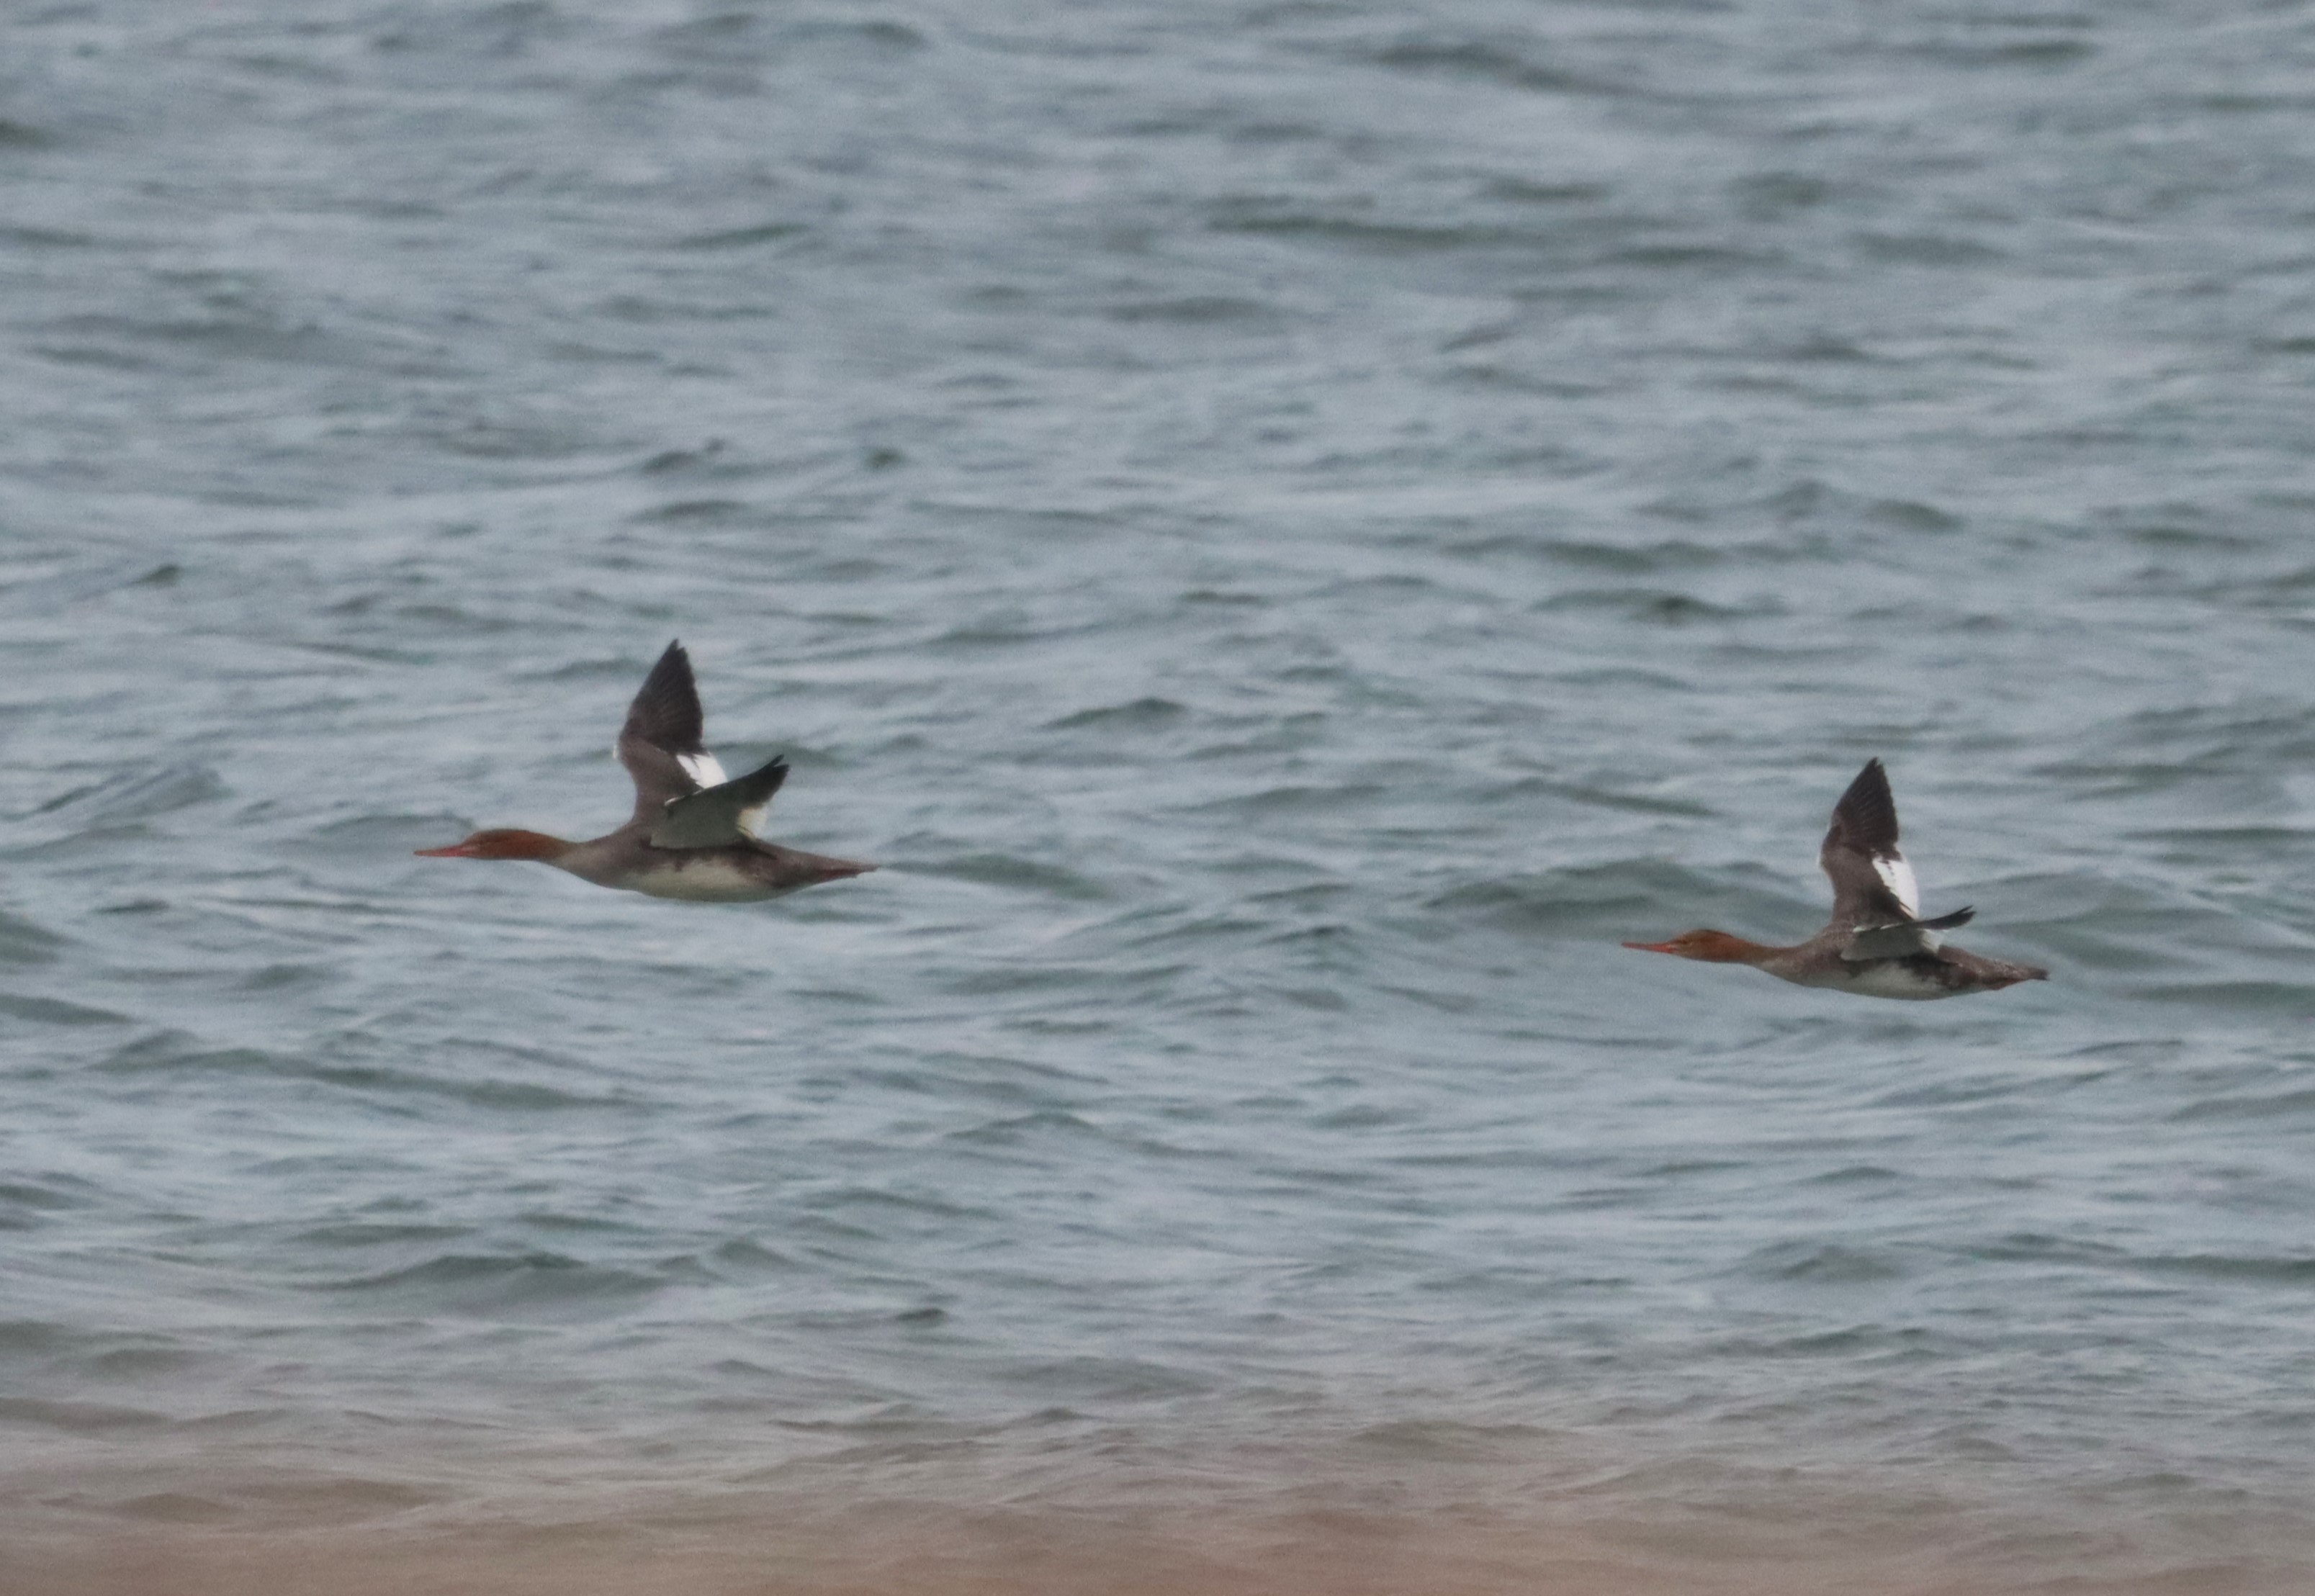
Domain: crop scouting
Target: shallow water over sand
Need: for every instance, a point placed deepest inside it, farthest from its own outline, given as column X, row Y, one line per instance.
column 1289, row 531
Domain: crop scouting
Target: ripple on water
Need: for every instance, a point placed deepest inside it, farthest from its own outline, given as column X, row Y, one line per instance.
column 1013, row 870
column 79, row 1418
column 24, row 1202
column 517, row 1286
column 1619, row 900
column 1826, row 1263
column 174, row 1053
column 22, row 942
column 140, row 795
column 55, row 1011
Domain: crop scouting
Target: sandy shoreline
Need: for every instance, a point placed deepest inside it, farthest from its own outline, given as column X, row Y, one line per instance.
column 794, row 1548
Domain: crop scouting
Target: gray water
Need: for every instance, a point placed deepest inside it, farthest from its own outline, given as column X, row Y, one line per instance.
column 1289, row 530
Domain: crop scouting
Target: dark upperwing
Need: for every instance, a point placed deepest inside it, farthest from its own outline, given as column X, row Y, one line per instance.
column 1864, row 829
column 665, row 720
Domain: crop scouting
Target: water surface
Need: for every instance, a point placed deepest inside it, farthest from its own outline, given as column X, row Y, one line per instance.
column 1289, row 530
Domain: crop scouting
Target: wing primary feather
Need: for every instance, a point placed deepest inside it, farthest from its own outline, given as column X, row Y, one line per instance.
column 1865, row 817
column 1872, row 883
column 666, row 712
column 659, row 742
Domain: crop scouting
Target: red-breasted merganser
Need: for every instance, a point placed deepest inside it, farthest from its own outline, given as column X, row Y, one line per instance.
column 693, row 832
column 1875, row 946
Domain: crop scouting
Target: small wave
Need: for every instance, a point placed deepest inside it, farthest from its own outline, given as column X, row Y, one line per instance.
column 380, row 836
column 78, row 1418
column 1657, row 607
column 1087, row 1382
column 2250, row 996
column 1926, row 249
column 140, row 795
column 1528, row 787
column 1400, row 238
column 487, row 1283
column 339, row 1496
column 1502, row 62
column 35, row 1337
column 42, row 1197
column 2036, row 1246
column 1207, row 310
column 880, row 1199
column 1027, row 978
column 55, row 1011
column 1293, row 798
column 174, row 1051
column 173, row 1507
column 1448, row 1440
column 1856, row 1174
column 1827, row 1264
column 744, row 1258
column 1611, row 900
column 1623, row 559
column 722, row 37
column 2037, row 53
column 142, row 1362
column 1681, row 257
column 2223, row 1267
column 740, row 238
column 2278, row 1105
column 696, row 512
column 1014, row 1130
column 372, row 1234
column 23, row 943
column 1007, row 870
column 1141, row 713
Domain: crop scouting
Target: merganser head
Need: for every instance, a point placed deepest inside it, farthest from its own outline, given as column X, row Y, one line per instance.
column 503, row 844
column 1714, row 947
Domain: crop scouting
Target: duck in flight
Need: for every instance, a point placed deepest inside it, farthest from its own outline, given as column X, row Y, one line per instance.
column 1875, row 946
column 693, row 835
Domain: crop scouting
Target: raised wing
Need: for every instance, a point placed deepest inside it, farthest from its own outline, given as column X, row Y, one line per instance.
column 724, row 814
column 659, row 744
column 1872, row 884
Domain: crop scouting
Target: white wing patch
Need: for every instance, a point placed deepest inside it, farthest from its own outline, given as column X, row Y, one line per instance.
column 1898, row 877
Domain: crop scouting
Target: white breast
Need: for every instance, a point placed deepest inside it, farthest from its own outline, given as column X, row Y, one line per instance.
column 1889, row 980
column 710, row 878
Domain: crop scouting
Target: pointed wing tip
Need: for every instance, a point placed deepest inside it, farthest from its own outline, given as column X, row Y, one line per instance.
column 665, row 712
column 1870, row 806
